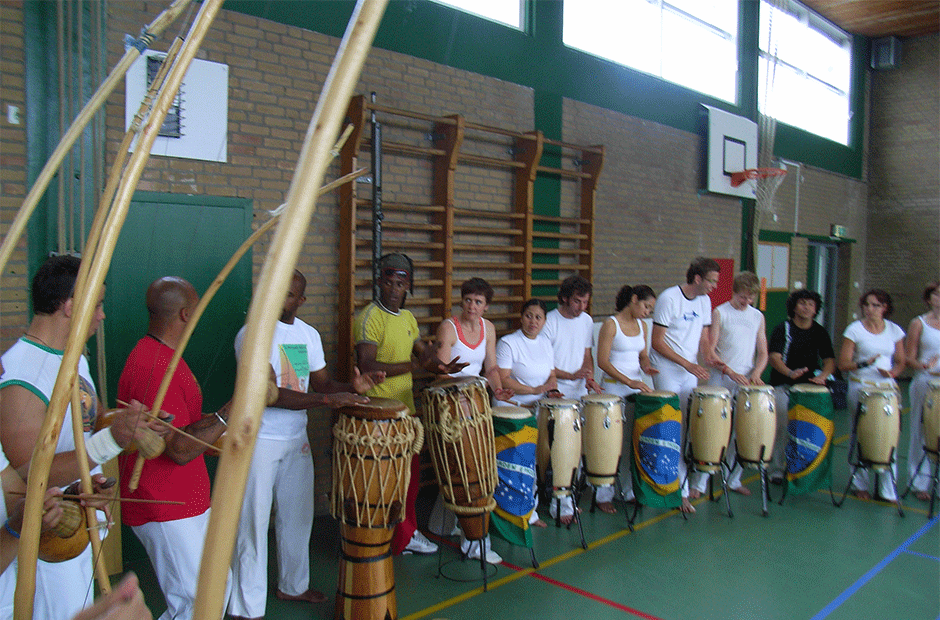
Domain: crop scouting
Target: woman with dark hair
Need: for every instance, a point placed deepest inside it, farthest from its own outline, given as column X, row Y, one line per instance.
column 923, row 355
column 873, row 356
column 525, row 359
column 623, row 355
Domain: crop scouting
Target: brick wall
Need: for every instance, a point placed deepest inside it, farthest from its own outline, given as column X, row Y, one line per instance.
column 904, row 168
column 14, row 279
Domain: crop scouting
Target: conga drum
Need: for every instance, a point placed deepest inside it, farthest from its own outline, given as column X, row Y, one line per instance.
column 657, row 437
column 602, row 437
column 460, row 436
column 373, row 444
column 515, row 431
column 559, row 441
column 755, row 424
column 709, row 426
column 878, row 426
column 931, row 419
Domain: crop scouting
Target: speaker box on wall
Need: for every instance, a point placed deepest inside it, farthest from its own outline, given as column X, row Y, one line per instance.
column 886, row 53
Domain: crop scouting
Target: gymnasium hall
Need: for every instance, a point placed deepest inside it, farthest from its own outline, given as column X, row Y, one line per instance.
column 518, row 141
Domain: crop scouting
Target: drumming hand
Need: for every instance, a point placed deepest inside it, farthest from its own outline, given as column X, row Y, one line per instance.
column 554, row 393
column 755, row 379
column 818, row 380
column 592, row 385
column 700, row 372
column 650, row 370
column 886, row 373
column 736, row 377
column 343, row 399
column 504, row 394
column 125, row 602
column 799, row 372
column 362, row 383
column 644, row 389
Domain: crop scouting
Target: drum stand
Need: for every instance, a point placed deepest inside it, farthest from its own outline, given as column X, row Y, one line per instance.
column 545, row 491
column 934, row 455
column 723, row 470
column 618, row 493
column 761, row 466
column 860, row 463
column 484, row 567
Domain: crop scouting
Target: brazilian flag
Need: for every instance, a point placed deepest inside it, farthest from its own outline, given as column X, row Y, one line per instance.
column 809, row 439
column 657, row 436
column 515, row 491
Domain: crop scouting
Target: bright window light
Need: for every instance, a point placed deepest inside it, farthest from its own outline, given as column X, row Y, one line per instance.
column 692, row 43
column 507, row 12
column 810, row 82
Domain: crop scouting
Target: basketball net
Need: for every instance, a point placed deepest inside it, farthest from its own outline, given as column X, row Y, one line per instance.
column 766, row 186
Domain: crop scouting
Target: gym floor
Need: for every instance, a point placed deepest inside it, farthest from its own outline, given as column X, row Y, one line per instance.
column 806, row 559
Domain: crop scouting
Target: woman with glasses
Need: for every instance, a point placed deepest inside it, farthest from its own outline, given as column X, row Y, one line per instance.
column 873, row 356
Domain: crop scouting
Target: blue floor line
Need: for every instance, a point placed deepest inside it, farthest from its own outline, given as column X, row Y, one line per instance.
column 855, row 587
column 923, row 555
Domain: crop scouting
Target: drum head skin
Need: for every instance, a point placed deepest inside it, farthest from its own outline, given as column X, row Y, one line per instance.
column 454, row 383
column 557, row 403
column 601, row 399
column 511, row 412
column 378, row 408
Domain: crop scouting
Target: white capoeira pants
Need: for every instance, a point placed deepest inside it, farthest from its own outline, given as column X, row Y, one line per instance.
column 62, row 589
column 918, row 393
column 281, row 476
column 175, row 550
column 860, row 479
column 675, row 378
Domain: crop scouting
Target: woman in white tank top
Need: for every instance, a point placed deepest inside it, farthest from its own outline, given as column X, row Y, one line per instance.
column 923, row 355
column 621, row 343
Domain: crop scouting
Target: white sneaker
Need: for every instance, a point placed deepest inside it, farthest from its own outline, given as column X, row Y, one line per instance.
column 491, row 556
column 420, row 545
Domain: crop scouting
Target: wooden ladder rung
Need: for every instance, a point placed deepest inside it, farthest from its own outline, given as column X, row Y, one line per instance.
column 485, row 230
column 491, row 215
column 402, row 225
column 554, row 235
column 490, row 161
column 560, row 251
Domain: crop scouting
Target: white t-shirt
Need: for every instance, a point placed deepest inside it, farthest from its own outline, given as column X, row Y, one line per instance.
column 529, row 361
column 296, row 351
column 684, row 320
column 869, row 345
column 569, row 338
column 737, row 336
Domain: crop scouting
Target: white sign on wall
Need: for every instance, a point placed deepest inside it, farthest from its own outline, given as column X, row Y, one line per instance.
column 203, row 110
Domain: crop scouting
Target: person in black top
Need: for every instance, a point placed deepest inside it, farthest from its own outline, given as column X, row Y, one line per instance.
column 800, row 352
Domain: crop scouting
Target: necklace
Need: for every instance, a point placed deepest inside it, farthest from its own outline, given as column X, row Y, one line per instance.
column 37, row 339
column 158, row 340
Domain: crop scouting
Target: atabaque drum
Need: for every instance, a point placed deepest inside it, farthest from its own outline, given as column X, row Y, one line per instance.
column 755, row 424
column 602, row 437
column 709, row 426
column 878, row 426
column 515, row 430
column 559, row 441
column 373, row 444
column 459, row 429
column 931, row 418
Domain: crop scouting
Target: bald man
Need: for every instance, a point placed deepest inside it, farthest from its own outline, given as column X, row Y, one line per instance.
column 172, row 534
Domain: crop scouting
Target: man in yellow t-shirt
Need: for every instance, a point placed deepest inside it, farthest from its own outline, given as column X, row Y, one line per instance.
column 387, row 340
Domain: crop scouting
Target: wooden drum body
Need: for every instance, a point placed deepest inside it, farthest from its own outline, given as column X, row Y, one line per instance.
column 931, row 418
column 709, row 426
column 602, row 438
column 460, row 436
column 559, row 443
column 755, row 424
column 373, row 444
column 878, row 426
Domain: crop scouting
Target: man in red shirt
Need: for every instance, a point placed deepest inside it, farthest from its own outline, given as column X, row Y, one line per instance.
column 172, row 534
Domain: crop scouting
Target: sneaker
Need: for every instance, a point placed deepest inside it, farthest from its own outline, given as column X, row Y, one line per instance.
column 491, row 556
column 420, row 545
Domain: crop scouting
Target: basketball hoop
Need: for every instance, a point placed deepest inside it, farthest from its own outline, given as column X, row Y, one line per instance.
column 737, row 178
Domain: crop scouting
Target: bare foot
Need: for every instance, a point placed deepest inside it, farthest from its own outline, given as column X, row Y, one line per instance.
column 742, row 490
column 687, row 507
column 607, row 507
column 694, row 494
column 861, row 494
column 923, row 496
column 310, row 596
column 565, row 520
column 539, row 523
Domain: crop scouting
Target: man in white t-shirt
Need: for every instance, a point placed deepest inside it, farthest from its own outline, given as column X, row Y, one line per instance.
column 571, row 331
column 282, row 466
column 739, row 343
column 682, row 313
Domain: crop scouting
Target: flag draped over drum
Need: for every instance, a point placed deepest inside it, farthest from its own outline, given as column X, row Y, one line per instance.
column 657, row 436
column 809, row 439
column 516, row 434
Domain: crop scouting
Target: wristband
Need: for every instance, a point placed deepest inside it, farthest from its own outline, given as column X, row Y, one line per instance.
column 101, row 447
column 10, row 530
column 221, row 419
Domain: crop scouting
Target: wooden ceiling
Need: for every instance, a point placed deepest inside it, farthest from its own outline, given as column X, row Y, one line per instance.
column 881, row 18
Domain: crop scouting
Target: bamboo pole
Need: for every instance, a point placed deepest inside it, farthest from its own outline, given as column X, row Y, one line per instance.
column 104, row 91
column 83, row 309
column 253, row 366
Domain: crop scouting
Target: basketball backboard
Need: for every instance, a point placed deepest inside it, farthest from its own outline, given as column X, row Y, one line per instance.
column 731, row 147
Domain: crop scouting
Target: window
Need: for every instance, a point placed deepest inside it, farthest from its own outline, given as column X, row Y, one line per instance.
column 507, row 12
column 805, row 71
column 692, row 43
